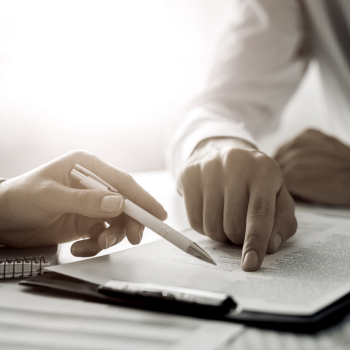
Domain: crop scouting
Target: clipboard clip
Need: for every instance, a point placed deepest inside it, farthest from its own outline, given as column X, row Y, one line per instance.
column 160, row 295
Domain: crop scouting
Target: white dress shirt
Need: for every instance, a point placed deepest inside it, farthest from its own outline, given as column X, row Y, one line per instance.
column 259, row 64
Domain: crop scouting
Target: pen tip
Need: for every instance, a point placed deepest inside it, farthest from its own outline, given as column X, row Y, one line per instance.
column 196, row 251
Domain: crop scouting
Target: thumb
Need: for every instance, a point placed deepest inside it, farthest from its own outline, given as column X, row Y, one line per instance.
column 92, row 203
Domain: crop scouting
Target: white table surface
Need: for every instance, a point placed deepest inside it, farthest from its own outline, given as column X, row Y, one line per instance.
column 161, row 185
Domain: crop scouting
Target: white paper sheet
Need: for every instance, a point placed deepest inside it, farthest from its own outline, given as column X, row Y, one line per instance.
column 309, row 272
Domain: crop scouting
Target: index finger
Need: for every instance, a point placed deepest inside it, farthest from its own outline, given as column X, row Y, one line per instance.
column 260, row 218
column 120, row 180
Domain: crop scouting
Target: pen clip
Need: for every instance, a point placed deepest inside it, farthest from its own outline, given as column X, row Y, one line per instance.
column 94, row 176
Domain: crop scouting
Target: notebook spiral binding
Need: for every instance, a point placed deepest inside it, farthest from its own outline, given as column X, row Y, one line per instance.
column 23, row 261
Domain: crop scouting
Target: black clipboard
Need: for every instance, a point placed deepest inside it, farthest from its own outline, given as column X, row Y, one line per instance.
column 57, row 283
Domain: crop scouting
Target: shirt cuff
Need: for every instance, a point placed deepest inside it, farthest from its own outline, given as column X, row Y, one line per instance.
column 200, row 125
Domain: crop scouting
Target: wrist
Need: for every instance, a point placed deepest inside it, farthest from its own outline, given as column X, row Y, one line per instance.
column 224, row 142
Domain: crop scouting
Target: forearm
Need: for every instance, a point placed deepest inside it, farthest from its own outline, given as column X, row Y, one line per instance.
column 246, row 90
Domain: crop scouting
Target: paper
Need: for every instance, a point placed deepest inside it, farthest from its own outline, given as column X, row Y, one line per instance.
column 32, row 320
column 309, row 272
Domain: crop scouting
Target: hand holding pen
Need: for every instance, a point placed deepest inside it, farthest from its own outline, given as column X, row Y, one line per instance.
column 45, row 206
column 51, row 205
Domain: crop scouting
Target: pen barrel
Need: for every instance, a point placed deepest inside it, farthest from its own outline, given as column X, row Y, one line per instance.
column 156, row 225
column 89, row 182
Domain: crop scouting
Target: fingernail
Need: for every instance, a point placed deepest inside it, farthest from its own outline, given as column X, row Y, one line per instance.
column 111, row 238
column 251, row 260
column 111, row 204
column 141, row 232
column 78, row 250
column 166, row 218
column 276, row 242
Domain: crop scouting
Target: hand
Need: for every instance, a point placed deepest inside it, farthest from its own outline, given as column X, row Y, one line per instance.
column 316, row 167
column 235, row 193
column 45, row 206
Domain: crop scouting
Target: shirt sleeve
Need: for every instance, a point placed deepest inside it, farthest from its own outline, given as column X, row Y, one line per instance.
column 259, row 63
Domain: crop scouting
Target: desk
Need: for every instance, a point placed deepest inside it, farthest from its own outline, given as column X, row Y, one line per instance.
column 97, row 336
column 337, row 337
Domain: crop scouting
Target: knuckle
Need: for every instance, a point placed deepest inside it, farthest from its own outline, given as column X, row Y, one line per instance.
column 268, row 172
column 261, row 157
column 81, row 154
column 125, row 179
column 125, row 175
column 140, row 195
column 83, row 198
column 231, row 155
column 267, row 164
column 80, row 196
column 41, row 195
column 234, row 156
column 259, row 208
column 211, row 167
column 45, row 191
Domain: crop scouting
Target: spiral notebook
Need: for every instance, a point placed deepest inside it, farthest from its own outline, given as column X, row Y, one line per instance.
column 26, row 262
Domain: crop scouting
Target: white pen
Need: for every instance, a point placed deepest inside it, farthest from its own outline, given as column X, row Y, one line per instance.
column 89, row 180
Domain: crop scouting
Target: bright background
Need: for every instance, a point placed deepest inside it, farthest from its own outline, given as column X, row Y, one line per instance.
column 110, row 77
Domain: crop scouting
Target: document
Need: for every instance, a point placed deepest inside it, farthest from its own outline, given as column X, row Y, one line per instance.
column 309, row 272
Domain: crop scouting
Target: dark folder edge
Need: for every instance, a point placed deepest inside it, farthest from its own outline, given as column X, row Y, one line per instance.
column 57, row 283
